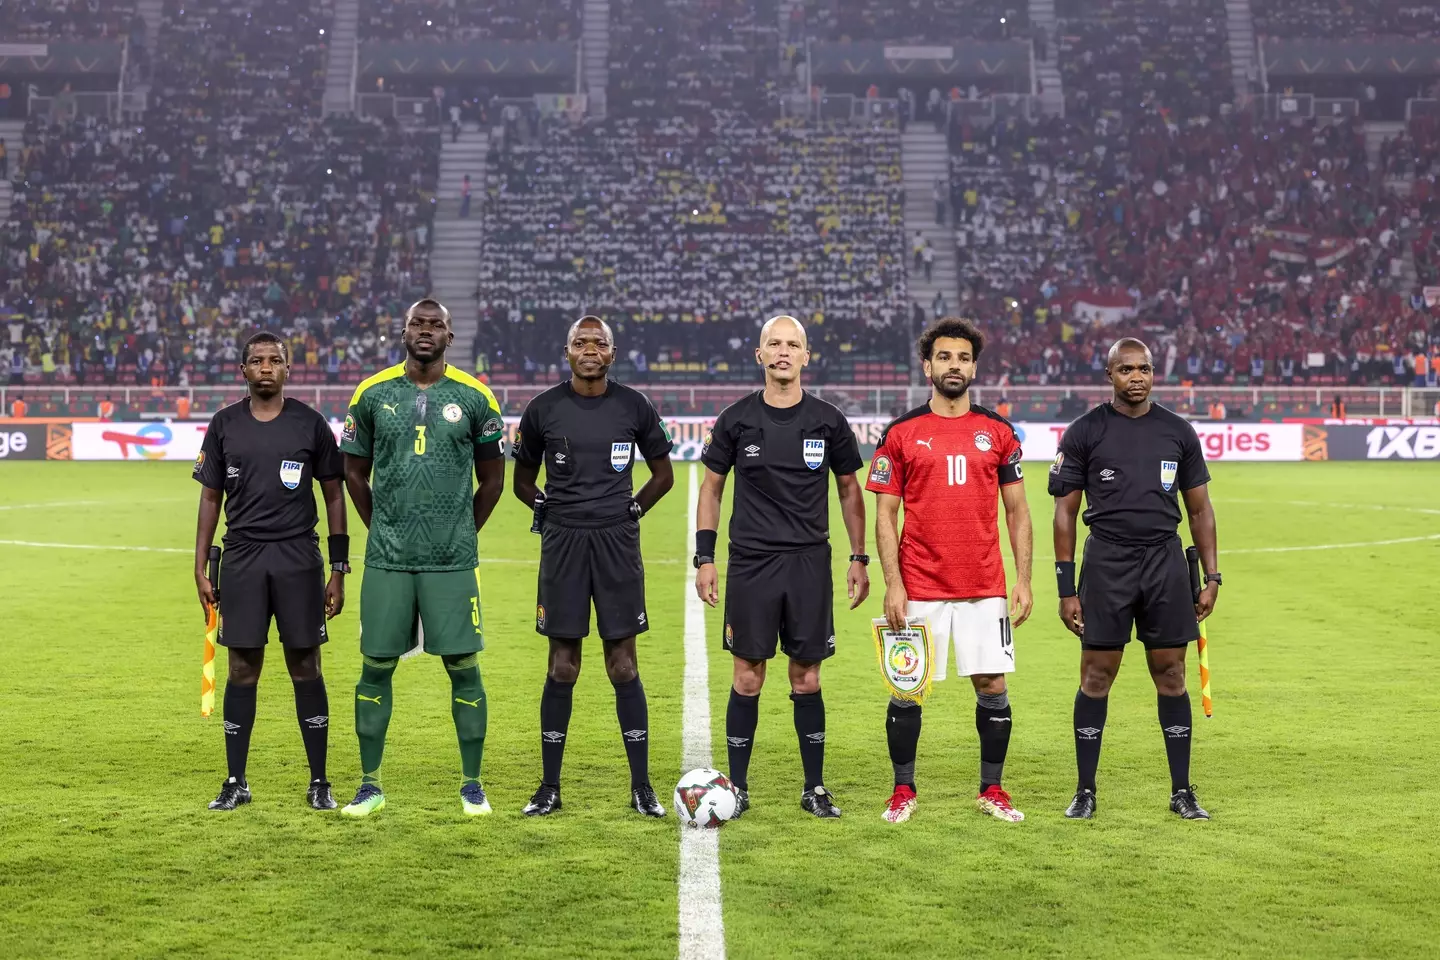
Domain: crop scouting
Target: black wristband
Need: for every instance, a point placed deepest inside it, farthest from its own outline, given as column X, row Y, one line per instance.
column 705, row 542
column 1065, row 577
column 339, row 544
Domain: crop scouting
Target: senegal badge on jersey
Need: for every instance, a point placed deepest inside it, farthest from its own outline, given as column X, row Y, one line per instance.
column 423, row 445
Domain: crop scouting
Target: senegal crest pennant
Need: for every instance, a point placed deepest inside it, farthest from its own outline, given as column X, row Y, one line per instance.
column 907, row 658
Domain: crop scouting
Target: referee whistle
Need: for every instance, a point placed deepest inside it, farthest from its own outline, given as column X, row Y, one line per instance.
column 537, row 522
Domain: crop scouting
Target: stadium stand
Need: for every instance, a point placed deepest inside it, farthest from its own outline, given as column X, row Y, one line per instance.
column 1248, row 252
column 692, row 232
column 451, row 21
column 39, row 20
column 917, row 20
column 1120, row 55
column 1347, row 20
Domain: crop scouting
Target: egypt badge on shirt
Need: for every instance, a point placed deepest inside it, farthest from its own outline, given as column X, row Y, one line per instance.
column 814, row 453
column 1168, row 469
column 620, row 456
column 290, row 471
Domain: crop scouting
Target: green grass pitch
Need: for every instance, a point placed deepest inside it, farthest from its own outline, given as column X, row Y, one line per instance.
column 1321, row 766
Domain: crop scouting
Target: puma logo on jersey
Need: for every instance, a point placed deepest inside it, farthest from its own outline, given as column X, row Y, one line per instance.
column 361, row 696
column 470, row 703
column 389, row 406
column 925, row 444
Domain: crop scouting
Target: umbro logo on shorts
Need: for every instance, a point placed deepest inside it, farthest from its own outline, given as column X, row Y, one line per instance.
column 640, row 618
column 553, row 736
column 635, row 736
column 1087, row 733
column 738, row 741
column 1176, row 731
column 317, row 723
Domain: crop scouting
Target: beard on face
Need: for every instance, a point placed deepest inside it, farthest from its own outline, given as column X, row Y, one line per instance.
column 946, row 390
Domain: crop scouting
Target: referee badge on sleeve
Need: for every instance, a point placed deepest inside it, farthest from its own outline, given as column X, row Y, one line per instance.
column 1168, row 469
column 290, row 471
column 620, row 456
column 814, row 453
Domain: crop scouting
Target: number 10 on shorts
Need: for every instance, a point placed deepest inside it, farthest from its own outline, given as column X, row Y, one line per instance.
column 955, row 466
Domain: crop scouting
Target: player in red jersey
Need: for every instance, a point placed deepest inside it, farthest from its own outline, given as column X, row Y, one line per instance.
column 946, row 462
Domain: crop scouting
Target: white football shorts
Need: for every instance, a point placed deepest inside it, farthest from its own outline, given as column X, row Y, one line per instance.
column 978, row 629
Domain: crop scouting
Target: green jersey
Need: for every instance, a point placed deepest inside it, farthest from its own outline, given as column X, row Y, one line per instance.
column 424, row 445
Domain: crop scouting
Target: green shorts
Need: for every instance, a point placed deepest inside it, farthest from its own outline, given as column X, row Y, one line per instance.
column 394, row 602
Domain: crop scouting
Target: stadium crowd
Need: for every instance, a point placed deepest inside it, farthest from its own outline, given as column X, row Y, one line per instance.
column 1344, row 21
column 451, row 21
column 40, row 20
column 1122, row 55
column 927, row 21
column 148, row 251
column 682, row 228
column 144, row 252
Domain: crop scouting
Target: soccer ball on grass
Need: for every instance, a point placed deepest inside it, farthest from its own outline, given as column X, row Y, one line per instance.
column 704, row 798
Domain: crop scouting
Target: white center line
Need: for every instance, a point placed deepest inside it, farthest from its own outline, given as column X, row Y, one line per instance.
column 702, row 929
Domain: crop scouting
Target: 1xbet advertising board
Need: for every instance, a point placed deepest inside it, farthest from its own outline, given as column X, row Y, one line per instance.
column 1363, row 442
column 140, row 442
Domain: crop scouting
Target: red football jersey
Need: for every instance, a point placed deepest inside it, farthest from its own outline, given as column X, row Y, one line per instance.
column 948, row 471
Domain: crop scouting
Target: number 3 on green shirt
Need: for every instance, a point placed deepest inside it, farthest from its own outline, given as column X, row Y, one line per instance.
column 420, row 441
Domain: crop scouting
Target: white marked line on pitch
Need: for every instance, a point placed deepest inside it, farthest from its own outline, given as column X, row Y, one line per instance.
column 1333, row 546
column 702, row 928
column 88, row 503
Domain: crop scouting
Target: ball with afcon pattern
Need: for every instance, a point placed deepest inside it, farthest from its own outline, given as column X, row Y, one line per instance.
column 705, row 798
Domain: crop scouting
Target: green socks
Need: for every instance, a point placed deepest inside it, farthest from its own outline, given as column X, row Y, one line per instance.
column 471, row 712
column 373, row 705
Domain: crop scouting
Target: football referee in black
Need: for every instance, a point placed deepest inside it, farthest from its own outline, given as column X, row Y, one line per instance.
column 1130, row 457
column 260, row 457
column 588, row 433
column 782, row 443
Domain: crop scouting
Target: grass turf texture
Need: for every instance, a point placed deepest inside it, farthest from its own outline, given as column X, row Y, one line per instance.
column 1319, row 765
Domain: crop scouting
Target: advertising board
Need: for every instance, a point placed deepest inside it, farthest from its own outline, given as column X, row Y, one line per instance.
column 154, row 440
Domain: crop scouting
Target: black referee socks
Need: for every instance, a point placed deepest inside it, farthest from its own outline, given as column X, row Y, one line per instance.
column 312, row 709
column 239, row 721
column 810, row 728
column 1175, row 724
column 633, row 712
column 1089, row 728
column 742, row 716
column 555, row 703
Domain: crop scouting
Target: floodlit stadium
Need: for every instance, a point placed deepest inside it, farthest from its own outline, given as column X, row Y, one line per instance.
column 414, row 203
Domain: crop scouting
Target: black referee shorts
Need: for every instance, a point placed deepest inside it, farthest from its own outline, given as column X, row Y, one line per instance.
column 788, row 596
column 280, row 578
column 581, row 565
column 1144, row 585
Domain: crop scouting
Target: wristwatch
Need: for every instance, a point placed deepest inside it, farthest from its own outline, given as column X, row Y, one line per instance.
column 700, row 561
column 862, row 558
column 1212, row 578
column 340, row 567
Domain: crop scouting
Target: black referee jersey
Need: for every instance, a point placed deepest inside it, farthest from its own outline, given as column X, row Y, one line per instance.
column 1132, row 470
column 782, row 457
column 590, row 544
column 778, row 581
column 272, row 563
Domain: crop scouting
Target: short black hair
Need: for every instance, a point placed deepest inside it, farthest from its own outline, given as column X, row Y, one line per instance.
column 956, row 327
column 264, row 336
column 429, row 302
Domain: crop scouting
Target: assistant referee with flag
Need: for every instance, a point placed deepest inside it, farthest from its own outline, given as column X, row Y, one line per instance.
column 1130, row 456
column 260, row 458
